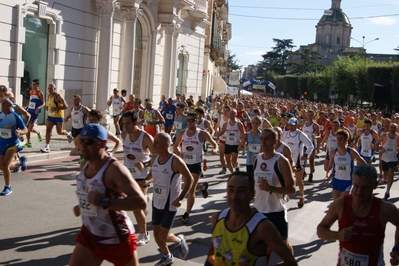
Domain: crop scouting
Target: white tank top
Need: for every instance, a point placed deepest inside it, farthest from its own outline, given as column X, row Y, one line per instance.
column 331, row 142
column 308, row 130
column 390, row 146
column 343, row 166
column 134, row 154
column 232, row 134
column 78, row 118
column 280, row 149
column 116, row 105
column 112, row 226
column 192, row 148
column 294, row 143
column 352, row 130
column 269, row 170
column 139, row 120
column 365, row 144
column 201, row 125
column 222, row 122
column 167, row 184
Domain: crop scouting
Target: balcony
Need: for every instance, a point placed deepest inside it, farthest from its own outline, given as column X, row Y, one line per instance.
column 200, row 9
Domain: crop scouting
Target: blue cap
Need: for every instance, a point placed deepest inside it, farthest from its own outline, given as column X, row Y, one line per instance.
column 293, row 121
column 94, row 131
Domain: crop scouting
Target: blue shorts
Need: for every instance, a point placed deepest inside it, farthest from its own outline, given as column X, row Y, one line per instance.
column 4, row 147
column 55, row 120
column 341, row 185
column 33, row 118
column 169, row 122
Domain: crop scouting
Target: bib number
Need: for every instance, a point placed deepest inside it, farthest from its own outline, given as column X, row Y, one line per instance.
column 32, row 105
column 169, row 116
column 160, row 191
column 5, row 133
column 254, row 147
column 265, row 176
column 179, row 125
column 85, row 207
column 352, row 259
column 190, row 157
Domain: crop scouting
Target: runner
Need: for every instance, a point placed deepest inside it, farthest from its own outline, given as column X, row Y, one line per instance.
column 34, row 108
column 117, row 103
column 55, row 116
column 365, row 142
column 105, row 190
column 152, row 118
column 191, row 151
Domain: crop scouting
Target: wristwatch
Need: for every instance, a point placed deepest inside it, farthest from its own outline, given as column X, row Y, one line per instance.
column 272, row 188
column 105, row 202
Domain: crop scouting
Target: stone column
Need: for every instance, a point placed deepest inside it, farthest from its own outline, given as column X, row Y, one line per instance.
column 169, row 29
column 128, row 47
column 107, row 8
column 172, row 88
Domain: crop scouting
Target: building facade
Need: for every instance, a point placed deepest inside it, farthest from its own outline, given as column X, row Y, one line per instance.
column 148, row 47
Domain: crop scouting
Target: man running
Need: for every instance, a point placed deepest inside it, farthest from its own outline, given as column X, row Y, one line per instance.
column 192, row 140
column 105, row 190
column 117, row 103
column 34, row 108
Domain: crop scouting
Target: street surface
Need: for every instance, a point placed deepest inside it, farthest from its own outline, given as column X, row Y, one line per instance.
column 38, row 226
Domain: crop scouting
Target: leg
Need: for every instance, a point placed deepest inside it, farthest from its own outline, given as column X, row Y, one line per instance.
column 60, row 130
column 229, row 163
column 336, row 194
column 83, row 256
column 234, row 159
column 221, row 155
column 49, row 128
column 191, row 193
column 162, row 236
column 299, row 182
column 135, row 260
column 5, row 164
column 116, row 123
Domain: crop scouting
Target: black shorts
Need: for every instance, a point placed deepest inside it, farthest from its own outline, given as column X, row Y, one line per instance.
column 388, row 165
column 163, row 218
column 230, row 148
column 280, row 221
column 195, row 168
column 76, row 132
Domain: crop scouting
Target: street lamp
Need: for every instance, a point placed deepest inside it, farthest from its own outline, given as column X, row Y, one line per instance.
column 363, row 44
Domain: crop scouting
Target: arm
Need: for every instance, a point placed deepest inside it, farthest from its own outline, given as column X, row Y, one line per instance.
column 160, row 118
column 181, row 168
column 118, row 178
column 62, row 101
column 109, row 102
column 330, row 162
column 211, row 250
column 208, row 127
column 389, row 213
column 23, row 112
column 149, row 143
column 288, row 154
column 69, row 115
column 176, row 146
column 117, row 142
column 209, row 138
column 316, row 129
column 43, row 102
column 269, row 234
column 355, row 155
column 308, row 144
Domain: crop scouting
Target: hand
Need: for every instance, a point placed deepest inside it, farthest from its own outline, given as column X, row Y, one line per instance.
column 264, row 185
column 95, row 198
column 176, row 203
column 142, row 183
column 37, row 110
column 111, row 154
column 346, row 234
column 394, row 258
column 382, row 150
column 76, row 210
column 304, row 158
column 239, row 148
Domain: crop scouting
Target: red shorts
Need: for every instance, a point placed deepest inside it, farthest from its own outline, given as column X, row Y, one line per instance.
column 150, row 129
column 118, row 254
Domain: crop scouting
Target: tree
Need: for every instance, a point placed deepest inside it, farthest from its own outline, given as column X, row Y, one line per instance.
column 275, row 60
column 232, row 62
column 396, row 49
column 305, row 61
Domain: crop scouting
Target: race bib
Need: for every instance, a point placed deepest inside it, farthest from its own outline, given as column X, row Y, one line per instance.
column 5, row 133
column 349, row 258
column 190, row 157
column 160, row 191
column 342, row 168
column 169, row 116
column 321, row 128
column 231, row 139
column 179, row 125
column 366, row 151
column 85, row 207
column 265, row 176
column 133, row 170
column 116, row 111
column 32, row 105
column 50, row 112
column 389, row 149
column 254, row 147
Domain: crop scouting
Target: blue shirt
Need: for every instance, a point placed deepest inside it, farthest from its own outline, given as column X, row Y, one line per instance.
column 8, row 124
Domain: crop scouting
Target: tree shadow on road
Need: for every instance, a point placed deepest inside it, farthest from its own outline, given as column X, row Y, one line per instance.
column 36, row 242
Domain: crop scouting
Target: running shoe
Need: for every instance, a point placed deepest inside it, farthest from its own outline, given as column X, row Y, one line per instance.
column 237, row 169
column 28, row 145
column 39, row 137
column 16, row 169
column 183, row 248
column 184, row 218
column 300, row 203
column 45, row 150
column 21, row 138
column 166, row 260
column 6, row 191
column 69, row 137
column 310, row 178
column 143, row 239
column 223, row 171
column 386, row 196
column 22, row 163
column 204, row 191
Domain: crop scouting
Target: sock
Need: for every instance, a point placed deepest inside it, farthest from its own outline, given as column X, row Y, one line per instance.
column 47, row 146
column 167, row 255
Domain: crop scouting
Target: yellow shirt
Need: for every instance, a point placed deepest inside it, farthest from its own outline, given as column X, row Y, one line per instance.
column 230, row 248
column 51, row 105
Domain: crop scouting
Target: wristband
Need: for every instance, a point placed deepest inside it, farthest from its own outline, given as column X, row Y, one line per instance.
column 272, row 188
column 395, row 248
column 105, row 202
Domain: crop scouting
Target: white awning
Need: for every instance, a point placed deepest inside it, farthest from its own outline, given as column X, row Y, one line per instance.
column 219, row 85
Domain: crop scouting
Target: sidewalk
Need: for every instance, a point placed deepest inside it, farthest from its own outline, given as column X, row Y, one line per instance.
column 59, row 147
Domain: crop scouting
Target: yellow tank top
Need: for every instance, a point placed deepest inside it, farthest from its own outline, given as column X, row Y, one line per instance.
column 230, row 248
column 360, row 123
column 51, row 104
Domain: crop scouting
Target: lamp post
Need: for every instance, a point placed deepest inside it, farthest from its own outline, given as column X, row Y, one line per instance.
column 363, row 44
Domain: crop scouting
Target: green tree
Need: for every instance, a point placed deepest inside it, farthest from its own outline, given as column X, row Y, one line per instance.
column 232, row 62
column 275, row 60
column 305, row 62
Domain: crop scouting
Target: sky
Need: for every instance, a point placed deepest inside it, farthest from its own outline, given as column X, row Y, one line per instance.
column 256, row 22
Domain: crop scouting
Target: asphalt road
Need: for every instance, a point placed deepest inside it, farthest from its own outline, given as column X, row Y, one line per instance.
column 37, row 226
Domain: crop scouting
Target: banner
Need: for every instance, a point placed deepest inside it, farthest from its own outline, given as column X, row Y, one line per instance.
column 258, row 87
column 232, row 90
column 234, row 78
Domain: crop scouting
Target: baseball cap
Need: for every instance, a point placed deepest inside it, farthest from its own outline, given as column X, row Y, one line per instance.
column 293, row 121
column 94, row 131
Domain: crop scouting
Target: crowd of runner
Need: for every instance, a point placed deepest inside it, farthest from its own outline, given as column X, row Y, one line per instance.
column 166, row 144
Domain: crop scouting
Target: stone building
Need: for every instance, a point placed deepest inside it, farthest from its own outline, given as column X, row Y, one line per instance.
column 148, row 47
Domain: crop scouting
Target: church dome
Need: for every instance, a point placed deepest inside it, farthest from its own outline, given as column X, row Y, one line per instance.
column 336, row 16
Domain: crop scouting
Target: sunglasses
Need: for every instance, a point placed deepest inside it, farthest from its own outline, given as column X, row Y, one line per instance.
column 87, row 142
column 190, row 120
